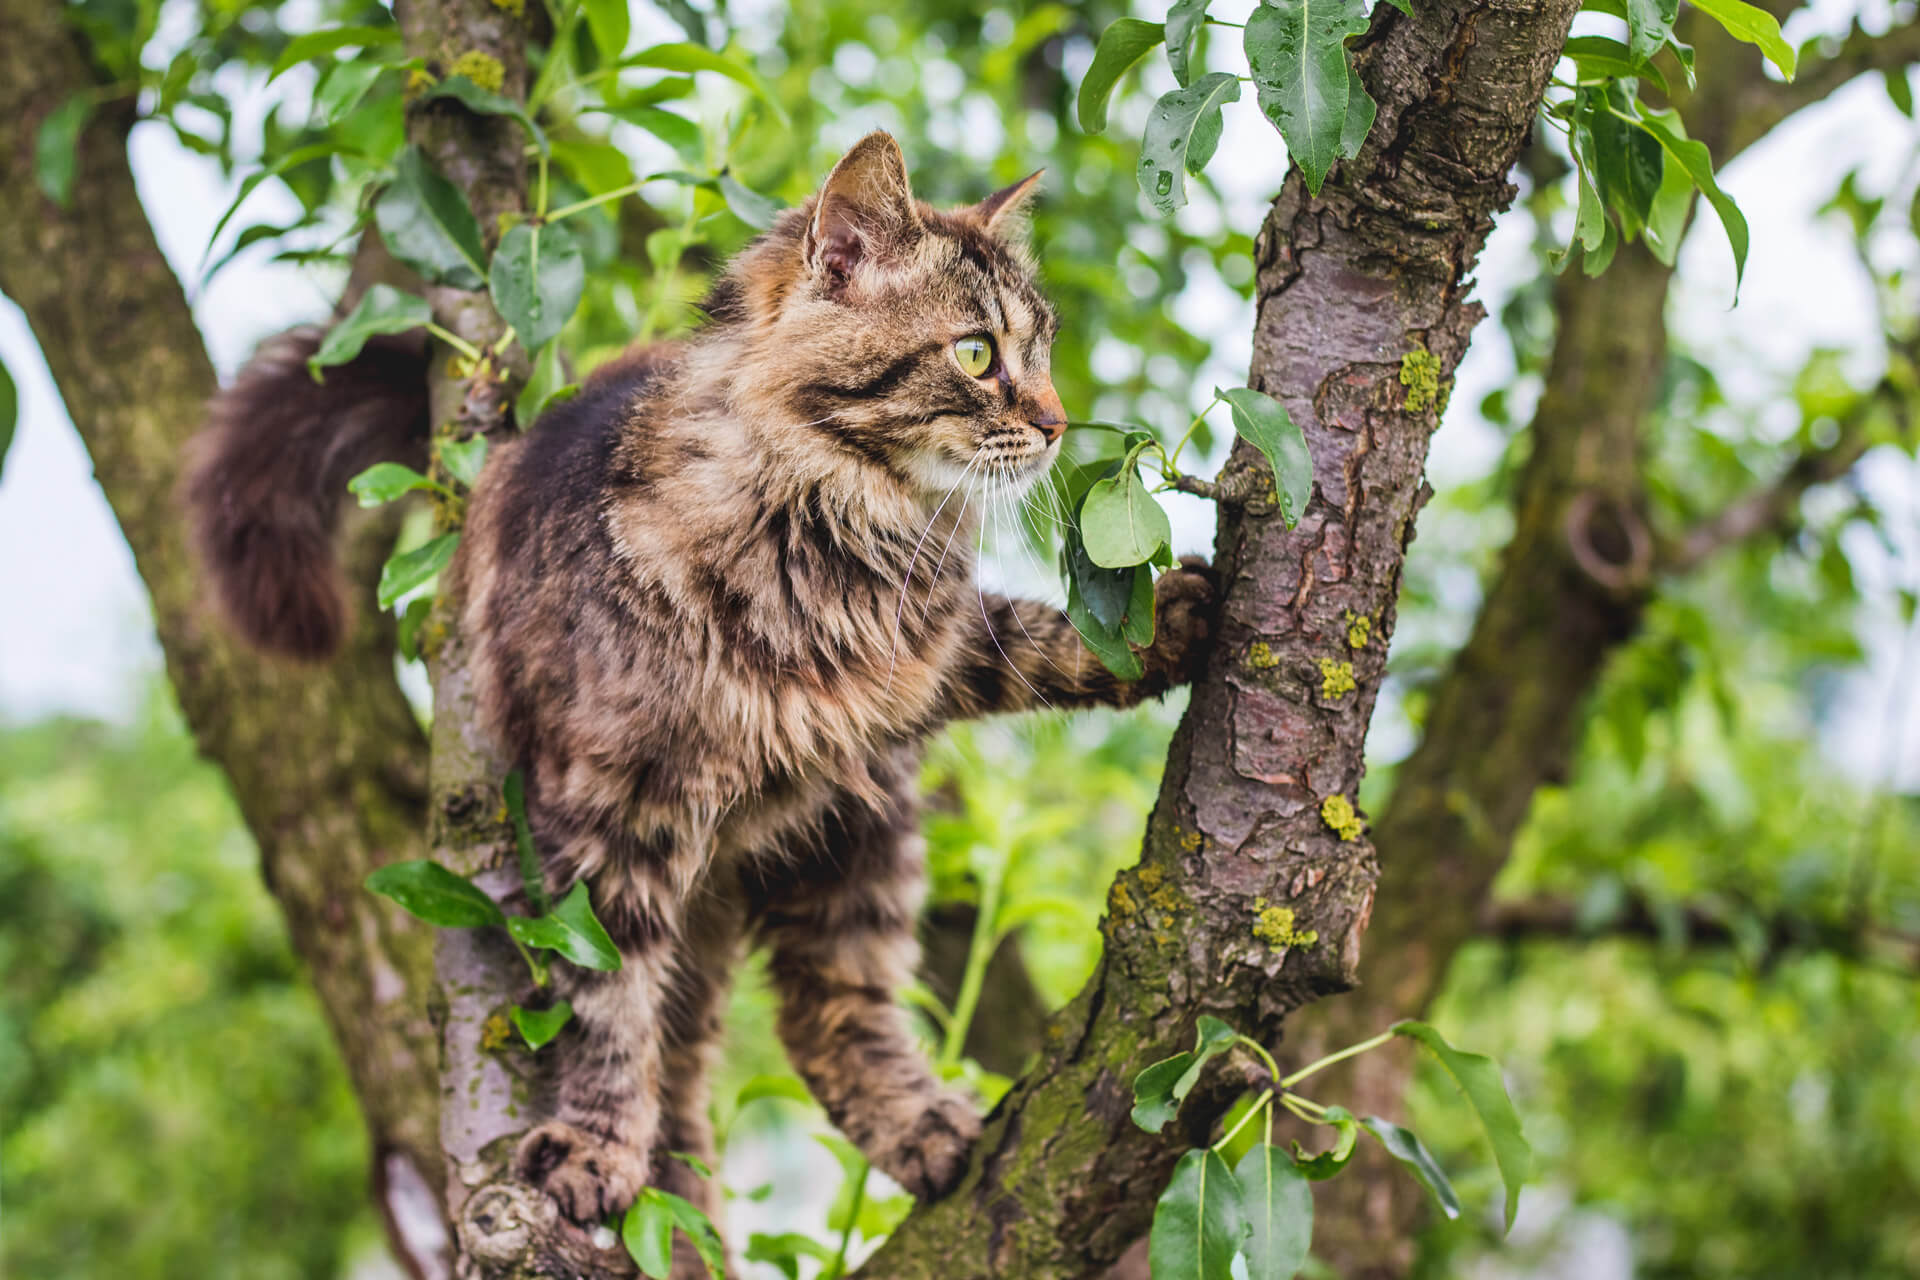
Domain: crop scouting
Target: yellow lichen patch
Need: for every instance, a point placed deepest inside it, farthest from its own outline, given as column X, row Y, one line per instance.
column 1336, row 678
column 1191, row 841
column 1274, row 926
column 419, row 80
column 482, row 68
column 1120, row 900
column 1420, row 375
column 1150, row 878
column 1359, row 629
column 494, row 1033
column 1261, row 658
column 518, row 8
column 1337, row 812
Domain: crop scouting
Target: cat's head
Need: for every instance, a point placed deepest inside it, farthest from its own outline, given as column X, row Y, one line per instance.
column 899, row 335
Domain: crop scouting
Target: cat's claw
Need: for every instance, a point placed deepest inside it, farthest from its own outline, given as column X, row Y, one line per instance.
column 930, row 1159
column 590, row 1178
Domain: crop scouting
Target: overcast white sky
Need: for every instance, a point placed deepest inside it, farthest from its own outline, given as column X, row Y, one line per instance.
column 77, row 635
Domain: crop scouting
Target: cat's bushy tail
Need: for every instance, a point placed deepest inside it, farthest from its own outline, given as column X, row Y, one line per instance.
column 267, row 474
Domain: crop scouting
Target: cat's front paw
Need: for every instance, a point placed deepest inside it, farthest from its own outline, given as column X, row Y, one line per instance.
column 931, row 1156
column 1186, row 600
column 589, row 1177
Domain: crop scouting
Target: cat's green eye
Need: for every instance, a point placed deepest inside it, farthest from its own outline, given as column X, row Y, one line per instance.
column 975, row 355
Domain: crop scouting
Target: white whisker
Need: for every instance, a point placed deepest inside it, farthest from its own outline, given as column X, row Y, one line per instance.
column 906, row 579
column 980, row 593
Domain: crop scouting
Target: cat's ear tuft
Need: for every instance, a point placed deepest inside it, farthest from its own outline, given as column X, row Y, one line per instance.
column 1000, row 212
column 865, row 210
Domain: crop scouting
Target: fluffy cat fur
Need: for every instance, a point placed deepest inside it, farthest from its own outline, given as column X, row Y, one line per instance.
column 715, row 604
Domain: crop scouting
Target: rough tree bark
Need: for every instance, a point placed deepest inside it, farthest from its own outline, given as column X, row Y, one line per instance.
column 1573, row 584
column 328, row 766
column 1255, row 882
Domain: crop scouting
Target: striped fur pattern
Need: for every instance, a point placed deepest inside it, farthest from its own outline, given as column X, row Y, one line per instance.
column 715, row 604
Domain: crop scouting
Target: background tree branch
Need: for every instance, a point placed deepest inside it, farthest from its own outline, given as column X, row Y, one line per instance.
column 328, row 765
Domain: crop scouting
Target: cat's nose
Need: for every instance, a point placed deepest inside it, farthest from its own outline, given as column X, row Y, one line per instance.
column 1045, row 412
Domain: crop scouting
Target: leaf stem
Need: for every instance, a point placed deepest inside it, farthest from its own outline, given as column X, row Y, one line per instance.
column 838, row 1267
column 454, row 340
column 1259, row 1104
column 534, row 964
column 1174, row 457
column 1341, row 1056
column 581, row 206
column 979, row 953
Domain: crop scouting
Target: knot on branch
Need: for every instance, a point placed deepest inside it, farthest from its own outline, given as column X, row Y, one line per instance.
column 1609, row 541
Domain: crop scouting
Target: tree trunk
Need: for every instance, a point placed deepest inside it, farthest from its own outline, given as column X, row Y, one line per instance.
column 327, row 764
column 1256, row 880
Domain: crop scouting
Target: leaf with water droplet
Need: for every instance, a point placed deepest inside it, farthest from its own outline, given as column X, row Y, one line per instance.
column 1184, row 21
column 1176, row 125
column 1297, row 52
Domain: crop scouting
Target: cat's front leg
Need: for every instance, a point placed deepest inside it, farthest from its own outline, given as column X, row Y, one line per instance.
column 838, row 910
column 1022, row 655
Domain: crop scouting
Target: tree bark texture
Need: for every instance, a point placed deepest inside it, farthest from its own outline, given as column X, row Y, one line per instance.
column 327, row 764
column 1575, row 579
column 1256, row 880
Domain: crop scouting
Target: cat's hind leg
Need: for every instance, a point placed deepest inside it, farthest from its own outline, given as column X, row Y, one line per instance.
column 838, row 913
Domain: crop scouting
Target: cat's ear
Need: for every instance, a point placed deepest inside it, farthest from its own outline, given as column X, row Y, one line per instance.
column 1000, row 212
column 865, row 210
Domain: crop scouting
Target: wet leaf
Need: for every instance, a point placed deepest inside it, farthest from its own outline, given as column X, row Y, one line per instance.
column 1297, row 52
column 1184, row 122
column 1279, row 1211
column 1266, row 425
column 1121, row 524
column 1184, row 21
column 537, row 277
column 1199, row 1222
column 426, row 223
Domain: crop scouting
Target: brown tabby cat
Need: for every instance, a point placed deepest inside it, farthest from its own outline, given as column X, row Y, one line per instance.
column 708, row 621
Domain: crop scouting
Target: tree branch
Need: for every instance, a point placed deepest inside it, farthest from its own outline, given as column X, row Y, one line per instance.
column 1694, row 925
column 327, row 765
column 1763, row 103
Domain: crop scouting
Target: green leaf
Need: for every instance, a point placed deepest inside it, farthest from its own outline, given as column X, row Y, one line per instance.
column 1153, row 1100
column 291, row 160
column 1698, row 163
column 785, row 1087
column 340, row 92
column 1479, row 1078
column 1297, row 52
column 546, row 386
column 539, row 1026
column 1899, row 90
column 382, row 309
column 692, row 1162
column 1266, row 425
column 752, row 208
column 1649, row 23
column 9, row 414
column 1199, row 1222
column 56, row 148
column 415, row 568
column 1170, row 137
column 1279, row 1208
column 408, row 633
column 610, row 24
column 1136, row 627
column 513, row 790
column 647, row 1231
column 1756, row 27
column 1121, row 524
column 1329, row 1162
column 382, row 482
column 1628, row 163
column 427, row 224
column 487, row 103
column 464, row 458
column 689, row 1219
column 1598, row 59
column 434, row 894
column 319, row 43
column 1098, row 605
column 1403, row 1146
column 678, row 132
column 537, row 277
column 1361, row 110
column 1184, row 21
column 571, row 929
column 686, row 57
column 1121, row 45
column 784, row 1250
